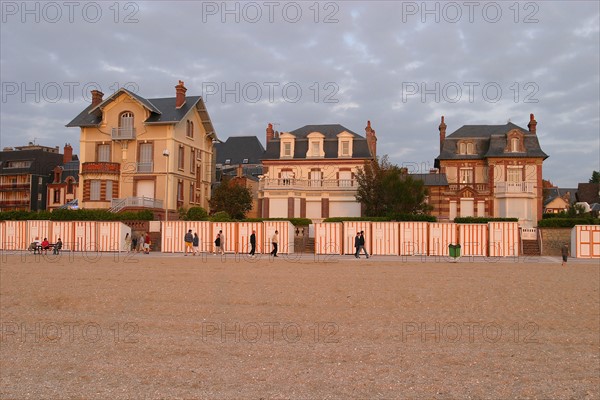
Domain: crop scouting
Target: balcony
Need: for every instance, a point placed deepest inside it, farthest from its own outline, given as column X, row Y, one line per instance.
column 11, row 187
column 145, row 167
column 309, row 184
column 515, row 188
column 478, row 187
column 100, row 168
column 134, row 202
column 13, row 203
column 127, row 133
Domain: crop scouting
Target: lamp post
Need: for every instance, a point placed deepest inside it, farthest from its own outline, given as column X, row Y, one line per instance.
column 166, row 154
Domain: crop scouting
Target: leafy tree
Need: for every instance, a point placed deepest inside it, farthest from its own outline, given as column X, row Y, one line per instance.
column 386, row 190
column 232, row 198
column 595, row 177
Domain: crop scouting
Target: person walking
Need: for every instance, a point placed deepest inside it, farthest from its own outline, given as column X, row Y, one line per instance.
column 188, row 239
column 127, row 242
column 357, row 244
column 134, row 242
column 196, row 244
column 141, row 240
column 222, row 236
column 147, row 243
column 361, row 243
column 564, row 251
column 275, row 243
column 218, row 244
column 252, row 243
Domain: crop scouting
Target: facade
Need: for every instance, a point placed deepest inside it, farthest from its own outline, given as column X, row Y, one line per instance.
column 310, row 172
column 557, row 200
column 25, row 172
column 139, row 153
column 62, row 188
column 492, row 171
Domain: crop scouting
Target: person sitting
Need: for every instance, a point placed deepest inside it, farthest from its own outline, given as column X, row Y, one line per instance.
column 45, row 245
column 57, row 246
column 35, row 245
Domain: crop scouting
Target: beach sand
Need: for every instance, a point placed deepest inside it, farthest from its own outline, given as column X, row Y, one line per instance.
column 166, row 326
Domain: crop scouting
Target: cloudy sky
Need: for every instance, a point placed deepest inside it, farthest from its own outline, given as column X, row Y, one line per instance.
column 399, row 64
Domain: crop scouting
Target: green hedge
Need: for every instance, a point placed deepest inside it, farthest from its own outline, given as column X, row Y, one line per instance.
column 294, row 221
column 567, row 222
column 482, row 220
column 77, row 215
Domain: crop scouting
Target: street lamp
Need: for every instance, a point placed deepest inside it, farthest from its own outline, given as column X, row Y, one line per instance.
column 166, row 154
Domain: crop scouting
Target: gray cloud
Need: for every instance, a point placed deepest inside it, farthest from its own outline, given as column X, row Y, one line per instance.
column 363, row 62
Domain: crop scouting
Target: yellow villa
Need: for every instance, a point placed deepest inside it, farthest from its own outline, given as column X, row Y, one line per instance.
column 138, row 153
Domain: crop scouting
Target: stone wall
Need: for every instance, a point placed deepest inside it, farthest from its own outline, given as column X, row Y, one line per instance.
column 553, row 239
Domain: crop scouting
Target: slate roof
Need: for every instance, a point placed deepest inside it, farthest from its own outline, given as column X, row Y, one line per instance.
column 238, row 148
column 588, row 192
column 162, row 111
column 490, row 141
column 43, row 162
column 360, row 148
column 431, row 179
column 552, row 193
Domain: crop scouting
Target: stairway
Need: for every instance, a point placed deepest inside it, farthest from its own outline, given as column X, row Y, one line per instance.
column 304, row 245
column 531, row 248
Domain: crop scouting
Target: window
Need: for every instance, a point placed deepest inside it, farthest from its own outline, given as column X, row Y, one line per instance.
column 466, row 175
column 69, row 186
column 181, row 157
column 103, row 153
column 193, row 162
column 245, row 161
column 126, row 121
column 514, row 145
column 462, row 148
column 514, row 174
column 18, row 164
column 40, row 180
column 179, row 191
column 189, row 132
column 287, row 149
column 191, row 192
column 316, row 177
column 199, row 174
column 145, row 158
column 470, row 148
column 315, row 149
column 94, row 190
column 345, row 148
column 109, row 190
column 56, row 196
column 228, row 161
column 286, row 177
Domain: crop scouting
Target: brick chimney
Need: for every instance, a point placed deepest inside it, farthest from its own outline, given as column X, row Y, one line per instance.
column 442, row 129
column 68, row 153
column 180, row 95
column 532, row 124
column 96, row 97
column 371, row 139
column 270, row 133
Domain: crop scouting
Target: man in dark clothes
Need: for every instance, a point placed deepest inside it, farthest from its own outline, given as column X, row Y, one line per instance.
column 362, row 244
column 357, row 244
column 252, row 243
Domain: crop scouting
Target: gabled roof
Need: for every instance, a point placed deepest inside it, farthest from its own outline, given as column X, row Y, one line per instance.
column 588, row 192
column 360, row 147
column 162, row 111
column 237, row 148
column 552, row 193
column 489, row 141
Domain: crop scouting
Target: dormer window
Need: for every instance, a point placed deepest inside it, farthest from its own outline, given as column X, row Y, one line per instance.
column 345, row 140
column 462, row 148
column 470, row 148
column 287, row 145
column 466, row 148
column 514, row 142
column 514, row 145
column 315, row 145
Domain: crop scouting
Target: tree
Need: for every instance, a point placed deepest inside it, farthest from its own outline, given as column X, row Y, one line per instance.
column 235, row 200
column 196, row 214
column 386, row 190
column 595, row 177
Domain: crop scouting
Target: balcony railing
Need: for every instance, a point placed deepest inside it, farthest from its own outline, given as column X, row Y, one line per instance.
column 141, row 202
column 515, row 187
column 13, row 186
column 308, row 184
column 123, row 133
column 145, row 167
column 100, row 168
column 478, row 187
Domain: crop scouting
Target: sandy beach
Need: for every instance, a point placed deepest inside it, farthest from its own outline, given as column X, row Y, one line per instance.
column 167, row 326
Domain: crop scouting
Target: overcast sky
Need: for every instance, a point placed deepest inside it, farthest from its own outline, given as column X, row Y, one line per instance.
column 399, row 64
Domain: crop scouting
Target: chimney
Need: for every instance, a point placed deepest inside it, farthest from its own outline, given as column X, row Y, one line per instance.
column 96, row 97
column 180, row 95
column 68, row 155
column 532, row 124
column 239, row 171
column 371, row 139
column 442, row 129
column 270, row 133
